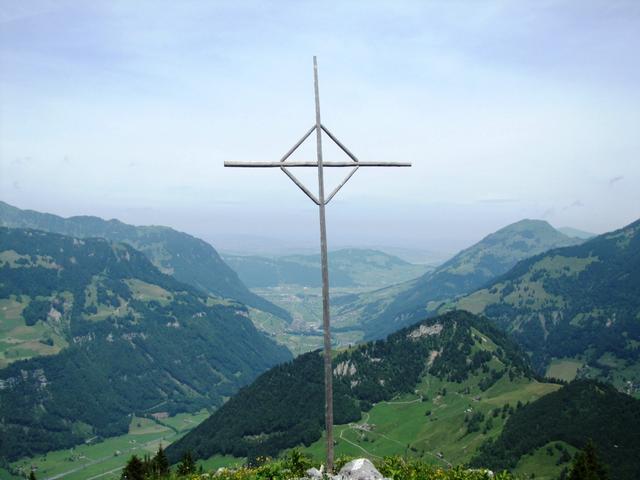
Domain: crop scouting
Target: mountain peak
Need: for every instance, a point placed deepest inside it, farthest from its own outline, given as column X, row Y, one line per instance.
column 579, row 302
column 530, row 225
column 471, row 268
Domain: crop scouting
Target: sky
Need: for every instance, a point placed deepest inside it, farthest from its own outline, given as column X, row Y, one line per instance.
column 507, row 110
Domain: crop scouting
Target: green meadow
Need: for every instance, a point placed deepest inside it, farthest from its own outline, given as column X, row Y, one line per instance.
column 19, row 341
column 433, row 423
column 104, row 459
column 564, row 368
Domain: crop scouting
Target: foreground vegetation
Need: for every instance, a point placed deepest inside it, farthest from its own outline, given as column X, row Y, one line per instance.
column 294, row 465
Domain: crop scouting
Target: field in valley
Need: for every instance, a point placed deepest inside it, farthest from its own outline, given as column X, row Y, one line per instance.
column 304, row 334
column 105, row 459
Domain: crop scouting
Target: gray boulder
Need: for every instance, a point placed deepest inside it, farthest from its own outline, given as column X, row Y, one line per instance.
column 359, row 469
column 313, row 474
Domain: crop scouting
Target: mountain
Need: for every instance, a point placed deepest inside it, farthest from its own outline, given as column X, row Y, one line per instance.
column 189, row 259
column 579, row 412
column 381, row 312
column 284, row 407
column 575, row 233
column 580, row 302
column 93, row 332
column 351, row 267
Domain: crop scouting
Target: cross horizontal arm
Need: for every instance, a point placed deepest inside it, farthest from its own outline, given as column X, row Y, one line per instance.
column 314, row 164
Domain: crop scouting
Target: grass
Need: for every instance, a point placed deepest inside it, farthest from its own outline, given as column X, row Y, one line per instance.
column 543, row 462
column 103, row 311
column 106, row 458
column 401, row 426
column 477, row 302
column 564, row 368
column 145, row 426
column 147, row 292
column 19, row 341
column 623, row 375
column 557, row 265
column 11, row 258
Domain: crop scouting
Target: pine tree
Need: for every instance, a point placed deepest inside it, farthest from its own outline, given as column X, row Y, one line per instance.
column 134, row 470
column 186, row 465
column 161, row 463
column 586, row 465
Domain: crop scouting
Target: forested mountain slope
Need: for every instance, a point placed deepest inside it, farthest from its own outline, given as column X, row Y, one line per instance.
column 581, row 411
column 382, row 312
column 581, row 301
column 122, row 337
column 189, row 259
column 284, row 407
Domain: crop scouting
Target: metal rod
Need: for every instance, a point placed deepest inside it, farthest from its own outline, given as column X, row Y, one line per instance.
column 328, row 371
column 293, row 149
column 321, row 202
column 339, row 143
column 301, row 186
column 233, row 163
column 337, row 189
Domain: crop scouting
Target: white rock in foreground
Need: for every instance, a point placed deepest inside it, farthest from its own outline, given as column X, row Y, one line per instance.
column 314, row 473
column 358, row 469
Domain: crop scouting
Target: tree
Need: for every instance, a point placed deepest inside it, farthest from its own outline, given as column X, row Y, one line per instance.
column 134, row 470
column 186, row 465
column 161, row 462
column 586, row 465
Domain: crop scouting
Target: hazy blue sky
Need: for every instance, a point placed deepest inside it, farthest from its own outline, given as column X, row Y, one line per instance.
column 508, row 109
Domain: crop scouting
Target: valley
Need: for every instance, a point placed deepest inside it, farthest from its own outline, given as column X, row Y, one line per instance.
column 105, row 458
column 304, row 333
column 292, row 283
column 354, row 267
column 444, row 386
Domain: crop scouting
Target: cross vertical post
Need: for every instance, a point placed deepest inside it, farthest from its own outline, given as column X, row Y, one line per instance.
column 326, row 323
column 321, row 201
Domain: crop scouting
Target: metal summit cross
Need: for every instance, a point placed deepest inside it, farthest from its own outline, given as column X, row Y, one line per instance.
column 321, row 201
